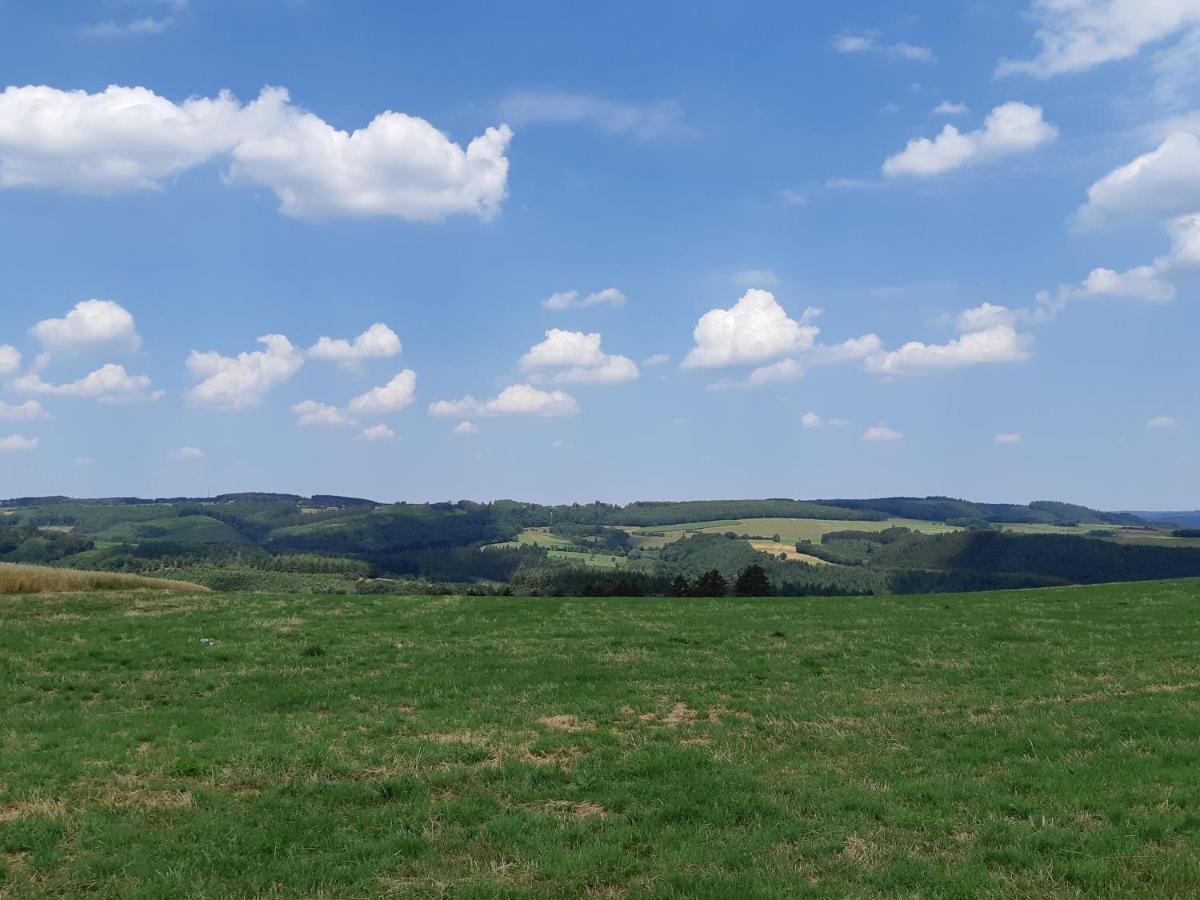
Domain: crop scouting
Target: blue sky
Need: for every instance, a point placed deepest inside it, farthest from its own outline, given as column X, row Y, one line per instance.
column 904, row 248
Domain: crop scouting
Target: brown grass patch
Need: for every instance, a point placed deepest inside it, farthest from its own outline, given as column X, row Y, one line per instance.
column 567, row 723
column 569, row 809
column 19, row 579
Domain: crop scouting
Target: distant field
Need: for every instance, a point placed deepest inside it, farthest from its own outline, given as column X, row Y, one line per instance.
column 793, row 530
column 1018, row 744
column 18, row 579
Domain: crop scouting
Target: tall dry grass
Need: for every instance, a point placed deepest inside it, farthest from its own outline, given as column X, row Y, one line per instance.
column 18, row 579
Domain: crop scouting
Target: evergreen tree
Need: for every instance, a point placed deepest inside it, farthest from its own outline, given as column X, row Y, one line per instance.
column 752, row 582
column 680, row 587
column 710, row 584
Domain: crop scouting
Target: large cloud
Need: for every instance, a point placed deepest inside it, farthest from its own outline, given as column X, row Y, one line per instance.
column 90, row 323
column 108, row 384
column 241, row 382
column 1009, row 129
column 514, row 400
column 571, row 357
column 1163, row 182
column 754, row 330
column 1076, row 35
column 129, row 138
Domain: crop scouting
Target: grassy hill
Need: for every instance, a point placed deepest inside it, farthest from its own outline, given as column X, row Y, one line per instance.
column 1029, row 744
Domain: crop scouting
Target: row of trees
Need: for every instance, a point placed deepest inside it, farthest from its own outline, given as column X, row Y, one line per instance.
column 752, row 581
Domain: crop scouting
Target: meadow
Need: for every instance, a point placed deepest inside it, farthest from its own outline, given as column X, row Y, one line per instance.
column 1027, row 743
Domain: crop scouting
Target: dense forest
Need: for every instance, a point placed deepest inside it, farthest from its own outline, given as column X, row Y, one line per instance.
column 328, row 543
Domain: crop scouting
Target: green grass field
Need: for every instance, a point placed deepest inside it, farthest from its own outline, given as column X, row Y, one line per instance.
column 792, row 530
column 1020, row 744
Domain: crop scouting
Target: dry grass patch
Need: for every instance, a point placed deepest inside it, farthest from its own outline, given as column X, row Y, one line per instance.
column 567, row 723
column 18, row 579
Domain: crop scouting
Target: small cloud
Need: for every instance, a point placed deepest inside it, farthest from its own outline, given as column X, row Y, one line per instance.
column 946, row 108
column 562, row 300
column 651, row 121
column 85, row 461
column 1163, row 422
column 561, row 445
column 464, row 428
column 1006, row 438
column 378, row 432
column 793, row 197
column 656, row 359
column 881, row 433
column 812, row 420
column 377, row 342
column 869, row 43
column 187, row 454
column 18, row 443
column 849, row 184
column 311, row 414
column 756, row 278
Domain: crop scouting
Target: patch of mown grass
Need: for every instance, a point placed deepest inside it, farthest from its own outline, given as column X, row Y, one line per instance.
column 1037, row 743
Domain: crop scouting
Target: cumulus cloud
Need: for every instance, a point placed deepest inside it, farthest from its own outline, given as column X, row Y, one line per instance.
column 1163, row 422
column 17, row 443
column 1161, row 183
column 946, row 108
column 312, row 414
column 997, row 344
column 375, row 433
column 10, row 359
column 754, row 330
column 514, row 400
column 1009, row 129
column 389, row 398
column 462, row 429
column 561, row 300
column 572, row 357
column 869, row 43
column 881, row 433
column 241, row 382
column 377, row 342
column 646, row 121
column 1076, row 35
column 92, row 323
column 129, row 138
column 28, row 411
column 108, row 384
column 1006, row 438
column 187, row 454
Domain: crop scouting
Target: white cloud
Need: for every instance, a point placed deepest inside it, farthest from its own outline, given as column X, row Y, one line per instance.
column 241, row 382
column 125, row 138
column 377, row 342
column 1006, row 438
column 849, row 184
column 575, row 357
column 108, row 384
column 90, row 323
column 881, row 433
column 756, row 278
column 656, row 359
column 10, row 359
column 514, row 400
column 646, row 121
column 1010, row 128
column 985, row 316
column 187, row 454
column 754, row 330
column 946, row 108
column 1161, row 183
column 464, row 428
column 140, row 25
column 812, row 420
column 1076, row 35
column 1149, row 283
column 560, row 444
column 572, row 300
column 391, row 397
column 17, row 443
column 998, row 344
column 378, row 432
column 793, row 197
column 1163, row 422
column 321, row 415
column 869, row 43
column 28, row 411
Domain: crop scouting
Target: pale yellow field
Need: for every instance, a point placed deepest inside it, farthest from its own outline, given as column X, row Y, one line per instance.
column 17, row 579
column 789, row 550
